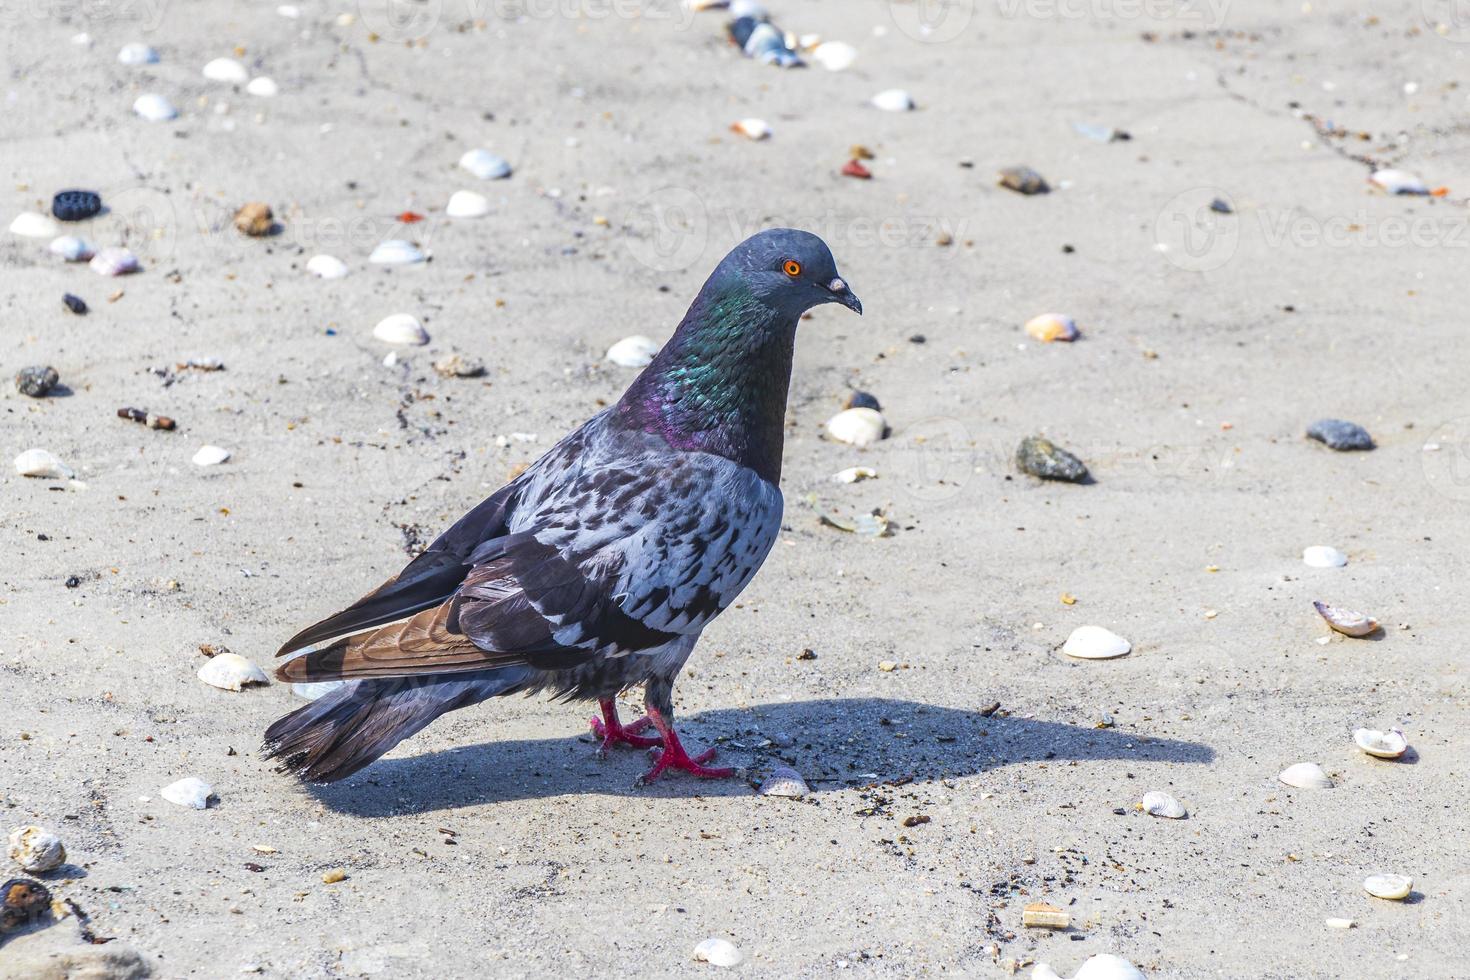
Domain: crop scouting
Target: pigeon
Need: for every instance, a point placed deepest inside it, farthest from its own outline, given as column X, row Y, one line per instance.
column 596, row 569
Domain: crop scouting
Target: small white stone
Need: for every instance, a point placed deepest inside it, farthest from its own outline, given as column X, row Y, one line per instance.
column 210, row 456
column 1103, row 966
column 155, row 108
column 854, row 474
column 1321, row 556
column 1305, row 775
column 114, row 262
column 1095, row 643
column 396, row 251
column 632, row 352
column 1392, row 887
column 718, row 952
column 263, row 86
column 82, row 40
column 786, row 782
column 33, row 224
column 231, row 672
column 467, row 204
column 41, row 465
column 289, row 11
column 894, row 100
column 1160, row 804
column 1383, row 745
column 1398, row 182
column 191, row 792
column 71, row 248
column 401, row 328
column 834, row 55
column 36, row 849
column 485, row 165
column 326, row 266
column 753, row 129
column 226, row 70
column 1340, row 923
column 137, row 54
column 857, row 426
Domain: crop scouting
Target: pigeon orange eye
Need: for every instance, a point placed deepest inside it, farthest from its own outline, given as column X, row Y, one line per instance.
column 792, row 268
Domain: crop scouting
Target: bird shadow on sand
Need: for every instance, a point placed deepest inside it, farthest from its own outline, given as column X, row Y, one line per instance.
column 836, row 743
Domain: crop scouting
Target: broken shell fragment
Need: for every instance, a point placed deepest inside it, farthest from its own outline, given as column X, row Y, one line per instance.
column 401, row 328
column 854, row 474
column 1322, row 556
column 1383, row 745
column 210, row 456
column 1043, row 916
column 893, row 100
column 114, row 262
column 1340, row 923
column 857, row 426
column 396, row 251
column 1340, row 434
column 834, row 55
column 786, row 782
column 1397, row 182
column 231, row 672
column 1160, row 804
column 632, row 352
column 154, row 108
column 192, row 792
column 753, row 129
column 34, row 224
column 1095, row 643
column 41, row 465
column 1345, row 621
column 1392, row 887
column 1050, row 327
column 255, row 219
column 1103, row 966
column 467, row 204
column 1305, row 775
column 263, row 87
column 36, row 849
column 1022, row 180
column 485, row 165
column 226, row 70
column 137, row 54
column 718, row 952
column 326, row 266
column 71, row 248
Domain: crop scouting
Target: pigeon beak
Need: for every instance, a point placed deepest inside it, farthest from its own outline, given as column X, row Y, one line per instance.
column 842, row 294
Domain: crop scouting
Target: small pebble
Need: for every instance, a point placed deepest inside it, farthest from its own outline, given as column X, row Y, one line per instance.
column 893, row 100
column 255, row 219
column 396, row 251
column 632, row 352
column 36, row 381
column 326, row 266
column 854, row 168
column 75, row 303
column 33, row 224
column 137, row 54
column 334, row 875
column 752, row 129
column 834, row 55
column 36, row 849
column 42, row 465
column 1095, row 643
column 1051, row 327
column 210, row 456
column 1397, row 182
column 114, row 262
column 75, row 205
column 401, row 328
column 1042, row 458
column 485, row 165
column 155, row 108
column 1392, row 887
column 1023, row 180
column 22, row 901
column 467, row 204
column 863, row 399
column 857, row 426
column 718, row 952
column 459, row 366
column 226, row 70
column 71, row 248
column 263, row 87
column 1103, row 966
column 1322, row 556
column 191, row 792
column 1340, row 435
column 1346, row 621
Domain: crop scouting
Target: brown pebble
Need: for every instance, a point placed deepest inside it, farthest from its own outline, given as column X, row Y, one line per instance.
column 334, row 876
column 1023, row 180
column 254, row 219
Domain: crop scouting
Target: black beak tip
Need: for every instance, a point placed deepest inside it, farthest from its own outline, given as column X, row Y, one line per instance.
column 842, row 293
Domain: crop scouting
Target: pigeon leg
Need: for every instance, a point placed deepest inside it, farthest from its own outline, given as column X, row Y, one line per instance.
column 673, row 755
column 613, row 732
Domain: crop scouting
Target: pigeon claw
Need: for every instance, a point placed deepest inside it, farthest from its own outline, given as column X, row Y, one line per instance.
column 674, row 756
column 614, row 733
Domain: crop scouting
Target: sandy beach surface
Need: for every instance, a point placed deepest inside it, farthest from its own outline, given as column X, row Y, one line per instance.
column 495, row 843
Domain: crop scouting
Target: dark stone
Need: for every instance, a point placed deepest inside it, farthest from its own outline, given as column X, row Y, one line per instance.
column 75, row 205
column 36, row 381
column 75, row 303
column 861, row 399
column 22, row 901
column 1221, row 206
column 1039, row 457
column 1023, row 180
column 1340, row 435
column 73, row 582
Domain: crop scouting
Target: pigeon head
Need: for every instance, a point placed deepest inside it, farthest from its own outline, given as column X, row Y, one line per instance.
column 788, row 271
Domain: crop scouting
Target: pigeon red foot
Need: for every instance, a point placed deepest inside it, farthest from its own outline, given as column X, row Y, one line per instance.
column 673, row 755
column 613, row 732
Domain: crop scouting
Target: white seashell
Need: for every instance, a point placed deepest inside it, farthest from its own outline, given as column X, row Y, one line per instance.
column 632, row 352
column 834, row 55
column 1051, row 326
column 467, row 204
column 42, row 465
column 857, row 426
column 71, row 248
column 289, row 11
column 396, row 251
column 1345, row 621
column 1103, row 966
column 894, row 100
column 82, row 40
column 854, row 474
column 319, row 689
column 1393, row 887
column 1321, row 556
column 718, row 952
column 401, row 328
column 1305, row 775
column 326, row 266
column 137, row 54
column 1159, row 804
column 1398, row 182
column 155, row 108
column 33, row 224
column 755, row 129
column 263, row 86
column 191, row 792
column 784, row 781
column 226, row 70
column 1095, row 643
column 210, row 456
column 1340, row 923
column 747, row 8
column 485, row 165
column 231, row 672
column 114, row 262
column 36, row 849
column 1384, row 745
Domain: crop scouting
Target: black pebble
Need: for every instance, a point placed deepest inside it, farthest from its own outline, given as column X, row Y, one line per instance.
column 36, row 381
column 75, row 303
column 75, row 205
column 72, row 582
column 861, row 399
column 918, row 338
